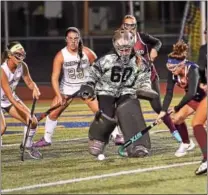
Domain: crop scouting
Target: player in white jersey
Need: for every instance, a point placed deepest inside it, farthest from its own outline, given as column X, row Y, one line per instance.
column 13, row 68
column 74, row 61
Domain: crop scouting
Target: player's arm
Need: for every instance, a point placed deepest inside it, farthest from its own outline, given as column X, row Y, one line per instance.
column 95, row 73
column 169, row 92
column 155, row 44
column 57, row 66
column 143, row 84
column 90, row 54
column 153, row 41
column 29, row 82
column 143, row 80
column 193, row 79
column 87, row 90
column 8, row 92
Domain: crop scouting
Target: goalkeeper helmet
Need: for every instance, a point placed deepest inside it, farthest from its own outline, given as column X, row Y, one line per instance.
column 123, row 42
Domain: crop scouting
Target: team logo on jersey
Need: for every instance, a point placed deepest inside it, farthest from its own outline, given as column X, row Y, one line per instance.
column 73, row 63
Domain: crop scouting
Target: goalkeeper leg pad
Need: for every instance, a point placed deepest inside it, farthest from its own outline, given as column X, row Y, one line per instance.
column 99, row 133
column 131, row 121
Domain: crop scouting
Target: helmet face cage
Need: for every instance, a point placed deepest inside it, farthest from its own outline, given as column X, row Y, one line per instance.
column 123, row 42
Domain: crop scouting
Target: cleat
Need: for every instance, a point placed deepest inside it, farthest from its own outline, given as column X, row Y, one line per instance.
column 33, row 152
column 191, row 145
column 41, row 143
column 183, row 148
column 202, row 168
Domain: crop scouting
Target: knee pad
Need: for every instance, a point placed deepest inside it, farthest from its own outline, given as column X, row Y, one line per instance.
column 131, row 121
column 96, row 147
column 101, row 127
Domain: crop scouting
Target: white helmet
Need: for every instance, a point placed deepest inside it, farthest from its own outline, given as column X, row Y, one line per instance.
column 123, row 42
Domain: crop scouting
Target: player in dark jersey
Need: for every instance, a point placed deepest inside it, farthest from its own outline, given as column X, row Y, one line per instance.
column 115, row 78
column 185, row 74
column 143, row 40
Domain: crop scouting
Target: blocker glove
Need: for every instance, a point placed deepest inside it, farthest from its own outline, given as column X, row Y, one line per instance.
column 86, row 91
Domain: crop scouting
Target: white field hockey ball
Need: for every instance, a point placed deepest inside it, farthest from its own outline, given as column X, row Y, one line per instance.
column 101, row 157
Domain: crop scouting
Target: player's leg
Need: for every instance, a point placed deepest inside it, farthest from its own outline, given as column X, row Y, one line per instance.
column 92, row 104
column 116, row 134
column 179, row 121
column 201, row 134
column 157, row 107
column 131, row 121
column 102, row 125
column 50, row 124
column 3, row 124
column 19, row 115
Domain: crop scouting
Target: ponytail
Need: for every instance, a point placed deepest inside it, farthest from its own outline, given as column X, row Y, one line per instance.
column 80, row 48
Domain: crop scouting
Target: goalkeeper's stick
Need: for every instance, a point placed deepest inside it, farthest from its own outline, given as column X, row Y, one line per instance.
column 134, row 139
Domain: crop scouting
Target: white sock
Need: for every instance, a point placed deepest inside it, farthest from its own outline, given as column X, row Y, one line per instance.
column 50, row 126
column 30, row 136
column 116, row 131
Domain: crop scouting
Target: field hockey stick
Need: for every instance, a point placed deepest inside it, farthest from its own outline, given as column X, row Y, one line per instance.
column 46, row 113
column 135, row 138
column 28, row 129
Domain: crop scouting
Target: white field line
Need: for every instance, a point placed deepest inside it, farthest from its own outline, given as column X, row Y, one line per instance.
column 11, row 145
column 61, row 182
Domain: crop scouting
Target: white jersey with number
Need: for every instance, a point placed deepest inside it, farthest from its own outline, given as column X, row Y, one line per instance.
column 13, row 79
column 72, row 79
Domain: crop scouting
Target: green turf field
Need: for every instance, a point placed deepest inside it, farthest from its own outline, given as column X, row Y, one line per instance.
column 68, row 168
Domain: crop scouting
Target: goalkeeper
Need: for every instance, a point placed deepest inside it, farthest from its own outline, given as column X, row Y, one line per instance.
column 116, row 77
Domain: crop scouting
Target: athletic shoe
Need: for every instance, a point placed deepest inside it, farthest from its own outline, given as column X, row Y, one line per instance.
column 183, row 148
column 202, row 168
column 33, row 152
column 191, row 145
column 118, row 140
column 41, row 143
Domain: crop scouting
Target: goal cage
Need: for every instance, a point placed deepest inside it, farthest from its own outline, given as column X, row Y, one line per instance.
column 193, row 26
